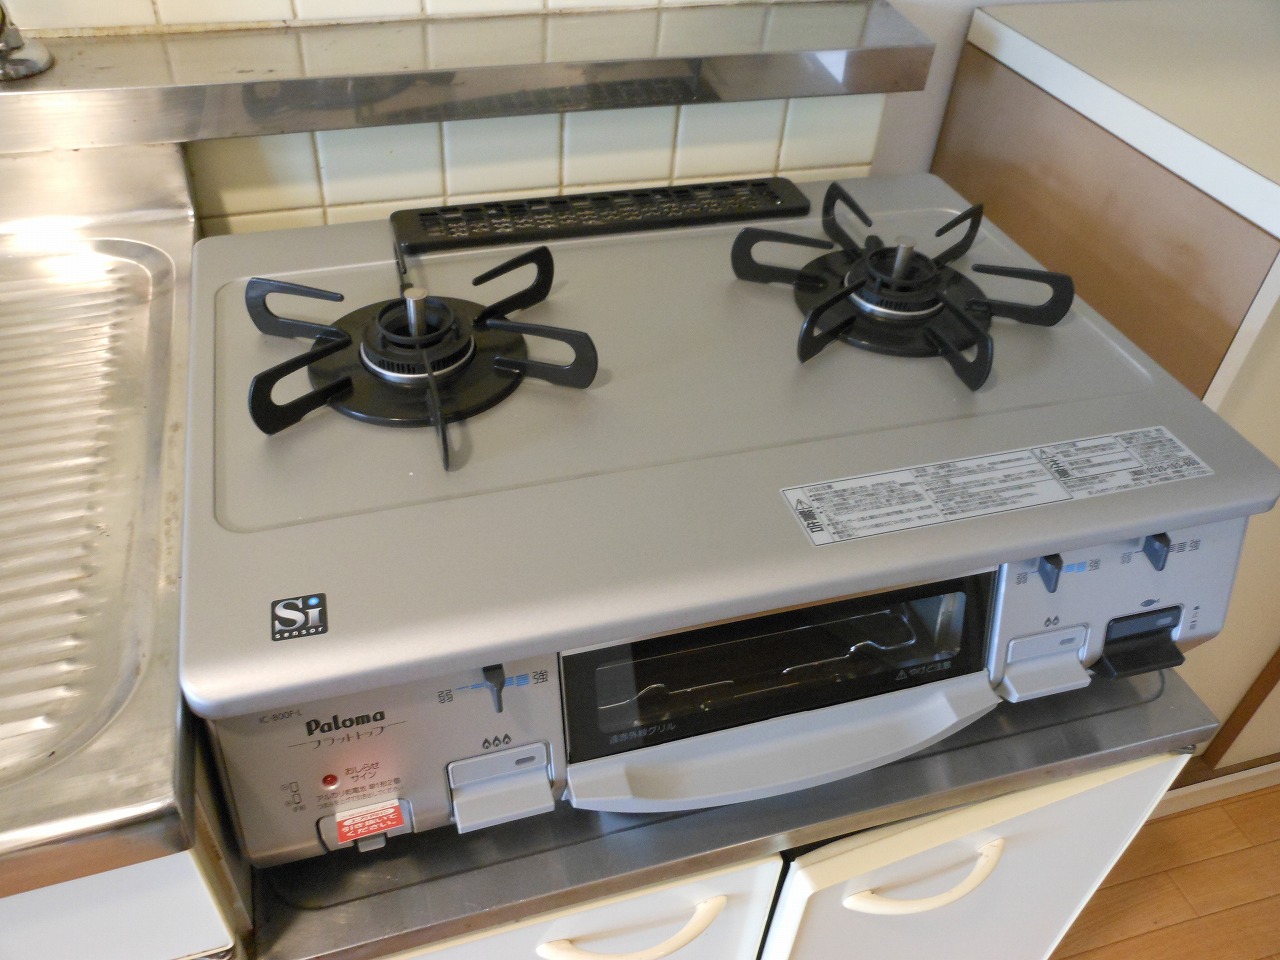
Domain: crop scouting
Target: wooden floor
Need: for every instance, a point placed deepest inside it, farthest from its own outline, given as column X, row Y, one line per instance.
column 1199, row 885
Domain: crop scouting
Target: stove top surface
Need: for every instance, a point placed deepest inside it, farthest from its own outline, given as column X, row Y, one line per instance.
column 695, row 364
column 649, row 501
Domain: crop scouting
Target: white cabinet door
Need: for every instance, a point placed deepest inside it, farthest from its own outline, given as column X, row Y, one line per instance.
column 712, row 916
column 159, row 909
column 1002, row 878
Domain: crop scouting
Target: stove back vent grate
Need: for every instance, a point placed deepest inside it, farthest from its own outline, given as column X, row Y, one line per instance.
column 540, row 219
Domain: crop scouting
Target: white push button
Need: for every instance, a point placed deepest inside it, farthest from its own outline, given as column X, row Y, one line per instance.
column 1045, row 663
column 1046, row 644
column 498, row 787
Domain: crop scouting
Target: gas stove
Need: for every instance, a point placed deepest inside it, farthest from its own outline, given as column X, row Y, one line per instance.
column 674, row 553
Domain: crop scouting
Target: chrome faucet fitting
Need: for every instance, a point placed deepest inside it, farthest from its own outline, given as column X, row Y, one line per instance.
column 18, row 57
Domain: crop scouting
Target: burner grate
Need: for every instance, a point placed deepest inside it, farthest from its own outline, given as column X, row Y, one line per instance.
column 892, row 299
column 414, row 360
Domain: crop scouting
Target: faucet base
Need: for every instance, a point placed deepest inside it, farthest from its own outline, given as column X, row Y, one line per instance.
column 31, row 58
column 34, row 57
column 18, row 57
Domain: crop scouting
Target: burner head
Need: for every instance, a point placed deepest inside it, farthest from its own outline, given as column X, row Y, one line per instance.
column 415, row 360
column 898, row 294
column 419, row 333
column 898, row 284
column 391, row 350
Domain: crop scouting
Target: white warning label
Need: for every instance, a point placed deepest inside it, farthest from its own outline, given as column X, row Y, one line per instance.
column 855, row 507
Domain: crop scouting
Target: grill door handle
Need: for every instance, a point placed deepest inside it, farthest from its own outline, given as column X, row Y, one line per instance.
column 703, row 916
column 779, row 755
column 868, row 901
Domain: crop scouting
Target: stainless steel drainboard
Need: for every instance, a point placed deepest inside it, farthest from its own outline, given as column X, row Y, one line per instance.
column 84, row 327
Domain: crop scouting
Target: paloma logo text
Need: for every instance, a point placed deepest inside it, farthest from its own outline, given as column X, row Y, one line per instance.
column 343, row 723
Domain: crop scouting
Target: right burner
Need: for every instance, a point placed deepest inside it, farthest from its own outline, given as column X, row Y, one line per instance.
column 900, row 316
column 894, row 300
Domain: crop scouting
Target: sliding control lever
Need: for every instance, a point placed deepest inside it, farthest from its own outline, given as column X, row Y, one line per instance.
column 1156, row 549
column 495, row 678
column 1050, row 570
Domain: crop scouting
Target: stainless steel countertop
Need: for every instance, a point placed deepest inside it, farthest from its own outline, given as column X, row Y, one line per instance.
column 165, row 88
column 429, row 887
column 113, row 788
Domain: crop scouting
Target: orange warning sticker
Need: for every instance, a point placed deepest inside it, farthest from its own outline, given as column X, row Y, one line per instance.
column 366, row 821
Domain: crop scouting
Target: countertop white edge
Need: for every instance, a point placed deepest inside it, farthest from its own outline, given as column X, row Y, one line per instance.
column 1228, row 181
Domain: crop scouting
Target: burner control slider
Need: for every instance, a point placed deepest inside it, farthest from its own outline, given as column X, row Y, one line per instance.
column 1050, row 570
column 1156, row 547
column 495, row 678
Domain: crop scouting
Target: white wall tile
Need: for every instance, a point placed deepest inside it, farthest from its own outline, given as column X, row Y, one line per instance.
column 475, row 8
column 826, row 174
column 365, row 9
column 716, row 178
column 476, row 43
column 577, row 38
column 54, row 14
column 610, row 146
column 380, row 163
column 502, row 154
column 788, row 26
column 597, row 4
column 700, row 31
column 831, row 131
column 625, row 185
column 360, row 212
column 223, row 11
column 254, row 174
column 716, row 140
column 255, row 222
column 498, row 196
column 345, row 52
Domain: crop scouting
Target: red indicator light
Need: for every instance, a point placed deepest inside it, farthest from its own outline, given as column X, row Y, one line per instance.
column 330, row 780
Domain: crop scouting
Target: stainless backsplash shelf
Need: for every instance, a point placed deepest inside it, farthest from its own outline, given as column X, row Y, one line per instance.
column 179, row 87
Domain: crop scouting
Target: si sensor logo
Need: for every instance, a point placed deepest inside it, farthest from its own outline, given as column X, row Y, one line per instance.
column 299, row 616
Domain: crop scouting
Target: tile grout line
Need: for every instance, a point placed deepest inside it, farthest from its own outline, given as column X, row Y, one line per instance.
column 319, row 168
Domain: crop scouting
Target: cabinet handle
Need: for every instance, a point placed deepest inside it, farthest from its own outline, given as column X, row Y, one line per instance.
column 868, row 901
column 703, row 914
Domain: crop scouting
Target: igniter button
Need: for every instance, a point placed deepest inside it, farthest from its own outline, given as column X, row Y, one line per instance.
column 1044, row 663
column 497, row 787
column 1047, row 644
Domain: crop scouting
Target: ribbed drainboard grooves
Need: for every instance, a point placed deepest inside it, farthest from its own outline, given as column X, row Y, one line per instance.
column 73, row 339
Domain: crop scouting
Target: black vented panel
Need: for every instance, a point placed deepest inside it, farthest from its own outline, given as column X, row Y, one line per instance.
column 586, row 214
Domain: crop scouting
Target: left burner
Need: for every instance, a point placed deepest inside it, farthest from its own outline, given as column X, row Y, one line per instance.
column 391, row 369
column 416, row 360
